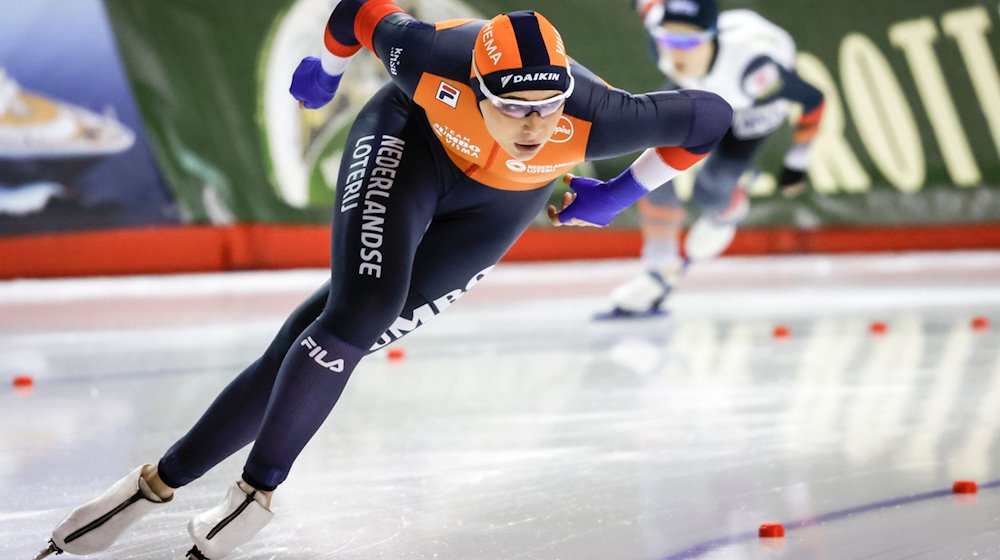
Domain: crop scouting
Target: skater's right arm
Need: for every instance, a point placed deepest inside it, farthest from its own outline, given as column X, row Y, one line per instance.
column 399, row 40
column 676, row 130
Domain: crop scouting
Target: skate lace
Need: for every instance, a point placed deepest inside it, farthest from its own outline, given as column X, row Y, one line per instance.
column 104, row 518
column 229, row 519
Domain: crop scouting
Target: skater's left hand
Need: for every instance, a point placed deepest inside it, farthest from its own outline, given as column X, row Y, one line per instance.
column 311, row 85
column 595, row 202
column 568, row 198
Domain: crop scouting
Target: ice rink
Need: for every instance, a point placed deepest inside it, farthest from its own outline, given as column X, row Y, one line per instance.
column 516, row 428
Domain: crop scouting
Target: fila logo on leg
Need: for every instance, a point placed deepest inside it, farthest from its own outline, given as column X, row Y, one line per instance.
column 448, row 94
column 317, row 353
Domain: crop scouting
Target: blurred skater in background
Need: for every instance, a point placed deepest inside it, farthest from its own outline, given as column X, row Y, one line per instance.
column 750, row 62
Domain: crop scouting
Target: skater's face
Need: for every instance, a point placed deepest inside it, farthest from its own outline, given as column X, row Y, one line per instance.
column 523, row 136
column 690, row 48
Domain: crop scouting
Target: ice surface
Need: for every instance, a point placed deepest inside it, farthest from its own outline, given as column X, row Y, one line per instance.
column 518, row 429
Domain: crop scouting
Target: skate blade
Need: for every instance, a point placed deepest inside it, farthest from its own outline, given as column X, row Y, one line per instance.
column 52, row 549
column 195, row 554
column 618, row 314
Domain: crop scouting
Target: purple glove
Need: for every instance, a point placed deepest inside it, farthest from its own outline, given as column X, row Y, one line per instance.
column 598, row 202
column 311, row 85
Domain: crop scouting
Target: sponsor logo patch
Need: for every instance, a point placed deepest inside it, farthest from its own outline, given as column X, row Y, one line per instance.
column 760, row 120
column 517, row 166
column 317, row 354
column 564, row 131
column 542, row 169
column 457, row 141
column 682, row 7
column 530, row 77
column 490, row 46
column 420, row 315
column 448, row 94
column 763, row 82
column 394, row 55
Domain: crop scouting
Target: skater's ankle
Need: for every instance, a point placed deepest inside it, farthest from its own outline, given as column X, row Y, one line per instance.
column 156, row 484
column 265, row 495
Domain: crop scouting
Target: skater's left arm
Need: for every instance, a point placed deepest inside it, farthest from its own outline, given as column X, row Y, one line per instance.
column 767, row 80
column 675, row 130
column 400, row 41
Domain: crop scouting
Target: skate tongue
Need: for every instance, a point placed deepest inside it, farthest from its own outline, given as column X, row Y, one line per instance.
column 257, row 495
column 148, row 493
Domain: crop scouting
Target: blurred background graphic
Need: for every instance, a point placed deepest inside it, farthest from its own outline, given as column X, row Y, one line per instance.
column 168, row 126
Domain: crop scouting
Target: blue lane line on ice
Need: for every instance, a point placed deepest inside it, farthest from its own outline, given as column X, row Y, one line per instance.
column 708, row 546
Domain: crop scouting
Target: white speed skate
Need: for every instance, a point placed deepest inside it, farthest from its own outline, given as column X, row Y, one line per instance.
column 712, row 232
column 218, row 531
column 95, row 526
column 643, row 295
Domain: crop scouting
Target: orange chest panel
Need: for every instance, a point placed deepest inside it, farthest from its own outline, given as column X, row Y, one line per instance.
column 453, row 115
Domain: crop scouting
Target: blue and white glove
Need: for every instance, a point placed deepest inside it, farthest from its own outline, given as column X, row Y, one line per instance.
column 313, row 86
column 598, row 202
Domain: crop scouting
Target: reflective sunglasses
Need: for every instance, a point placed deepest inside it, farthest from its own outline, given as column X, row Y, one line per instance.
column 518, row 108
column 682, row 41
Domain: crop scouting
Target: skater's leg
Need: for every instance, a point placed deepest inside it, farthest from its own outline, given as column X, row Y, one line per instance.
column 719, row 177
column 724, row 202
column 661, row 216
column 233, row 419
column 386, row 197
column 230, row 423
column 474, row 227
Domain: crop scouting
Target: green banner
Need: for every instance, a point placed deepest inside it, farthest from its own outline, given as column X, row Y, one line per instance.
column 911, row 133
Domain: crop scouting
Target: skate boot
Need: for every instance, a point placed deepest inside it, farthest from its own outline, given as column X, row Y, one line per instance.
column 643, row 295
column 233, row 522
column 95, row 526
column 712, row 233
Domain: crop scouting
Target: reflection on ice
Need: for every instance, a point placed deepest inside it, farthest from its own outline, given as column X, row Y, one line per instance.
column 525, row 431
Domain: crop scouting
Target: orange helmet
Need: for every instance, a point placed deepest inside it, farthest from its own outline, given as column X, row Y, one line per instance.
column 519, row 51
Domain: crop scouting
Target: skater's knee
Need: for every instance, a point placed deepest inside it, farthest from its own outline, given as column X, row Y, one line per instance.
column 713, row 189
column 712, row 117
column 360, row 322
